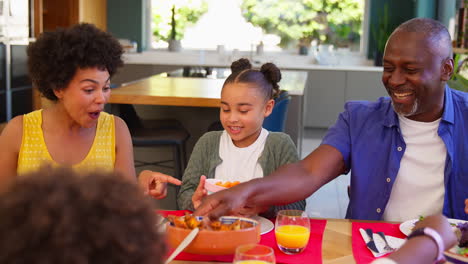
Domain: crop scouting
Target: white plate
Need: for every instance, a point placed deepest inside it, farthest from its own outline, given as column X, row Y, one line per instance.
column 265, row 224
column 407, row 226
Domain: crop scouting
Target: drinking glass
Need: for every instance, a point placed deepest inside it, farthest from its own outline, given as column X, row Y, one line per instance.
column 254, row 254
column 292, row 231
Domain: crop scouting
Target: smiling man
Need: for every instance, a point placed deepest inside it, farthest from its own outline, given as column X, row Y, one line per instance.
column 407, row 153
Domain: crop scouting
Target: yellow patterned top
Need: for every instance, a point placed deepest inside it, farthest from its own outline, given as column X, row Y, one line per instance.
column 34, row 153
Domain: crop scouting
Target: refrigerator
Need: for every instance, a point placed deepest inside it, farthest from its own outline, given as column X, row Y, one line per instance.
column 16, row 29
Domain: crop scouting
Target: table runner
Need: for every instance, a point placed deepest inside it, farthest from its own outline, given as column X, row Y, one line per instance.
column 311, row 254
column 361, row 253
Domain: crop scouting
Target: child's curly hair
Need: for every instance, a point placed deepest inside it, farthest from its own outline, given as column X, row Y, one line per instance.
column 58, row 216
column 267, row 78
column 55, row 56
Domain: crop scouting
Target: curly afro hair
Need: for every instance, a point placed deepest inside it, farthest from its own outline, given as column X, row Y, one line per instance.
column 266, row 78
column 55, row 56
column 57, row 216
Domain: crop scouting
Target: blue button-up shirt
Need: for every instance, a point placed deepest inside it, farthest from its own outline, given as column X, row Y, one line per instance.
column 368, row 136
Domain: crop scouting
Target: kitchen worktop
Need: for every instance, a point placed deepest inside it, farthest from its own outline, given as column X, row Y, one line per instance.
column 284, row 60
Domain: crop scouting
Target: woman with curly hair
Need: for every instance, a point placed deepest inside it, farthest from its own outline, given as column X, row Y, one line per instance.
column 72, row 67
column 60, row 216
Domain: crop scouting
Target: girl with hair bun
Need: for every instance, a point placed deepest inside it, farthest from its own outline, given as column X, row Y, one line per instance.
column 244, row 150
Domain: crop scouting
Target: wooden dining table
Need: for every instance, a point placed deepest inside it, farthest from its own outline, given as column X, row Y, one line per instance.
column 162, row 89
column 176, row 91
column 336, row 244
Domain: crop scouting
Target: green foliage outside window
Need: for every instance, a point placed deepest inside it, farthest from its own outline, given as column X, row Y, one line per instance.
column 170, row 18
column 382, row 31
column 459, row 79
column 327, row 21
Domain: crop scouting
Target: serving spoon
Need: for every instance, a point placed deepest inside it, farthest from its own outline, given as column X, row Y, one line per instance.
column 187, row 240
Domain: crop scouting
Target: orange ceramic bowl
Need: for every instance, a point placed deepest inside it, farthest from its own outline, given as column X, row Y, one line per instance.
column 209, row 242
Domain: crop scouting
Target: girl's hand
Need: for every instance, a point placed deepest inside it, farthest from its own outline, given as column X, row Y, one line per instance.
column 199, row 193
column 155, row 183
column 466, row 206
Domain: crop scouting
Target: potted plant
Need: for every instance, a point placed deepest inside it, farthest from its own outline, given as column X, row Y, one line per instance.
column 381, row 33
column 173, row 42
column 170, row 19
column 458, row 81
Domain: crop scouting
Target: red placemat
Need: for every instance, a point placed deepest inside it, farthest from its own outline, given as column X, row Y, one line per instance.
column 361, row 253
column 176, row 213
column 311, row 254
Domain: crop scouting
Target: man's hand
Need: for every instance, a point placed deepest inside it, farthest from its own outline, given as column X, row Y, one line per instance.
column 466, row 206
column 440, row 224
column 226, row 202
column 155, row 183
column 199, row 193
column 249, row 211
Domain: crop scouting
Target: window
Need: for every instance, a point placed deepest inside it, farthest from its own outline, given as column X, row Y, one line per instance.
column 242, row 24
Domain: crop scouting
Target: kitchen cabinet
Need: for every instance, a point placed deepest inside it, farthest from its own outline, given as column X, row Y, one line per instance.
column 323, row 97
column 64, row 13
column 15, row 87
column 327, row 91
column 361, row 85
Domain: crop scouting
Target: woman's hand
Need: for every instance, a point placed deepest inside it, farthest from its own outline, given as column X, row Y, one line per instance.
column 440, row 224
column 199, row 193
column 155, row 183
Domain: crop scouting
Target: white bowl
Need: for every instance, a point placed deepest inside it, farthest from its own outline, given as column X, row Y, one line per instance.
column 211, row 187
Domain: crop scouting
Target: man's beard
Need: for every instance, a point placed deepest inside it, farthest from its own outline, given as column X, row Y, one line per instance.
column 400, row 111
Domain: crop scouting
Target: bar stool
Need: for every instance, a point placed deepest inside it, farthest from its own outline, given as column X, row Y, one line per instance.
column 156, row 133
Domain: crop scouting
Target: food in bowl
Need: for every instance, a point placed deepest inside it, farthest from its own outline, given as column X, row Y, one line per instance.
column 189, row 221
column 211, row 239
column 227, row 184
column 215, row 185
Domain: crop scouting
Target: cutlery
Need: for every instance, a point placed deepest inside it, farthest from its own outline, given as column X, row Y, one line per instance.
column 187, row 240
column 163, row 221
column 387, row 246
column 371, row 243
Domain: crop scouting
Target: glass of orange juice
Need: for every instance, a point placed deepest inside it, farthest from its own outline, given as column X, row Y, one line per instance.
column 292, row 231
column 254, row 254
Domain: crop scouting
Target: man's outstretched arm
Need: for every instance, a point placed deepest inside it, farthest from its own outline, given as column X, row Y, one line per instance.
column 290, row 183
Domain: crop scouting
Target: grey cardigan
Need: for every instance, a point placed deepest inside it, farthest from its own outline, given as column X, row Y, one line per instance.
column 279, row 150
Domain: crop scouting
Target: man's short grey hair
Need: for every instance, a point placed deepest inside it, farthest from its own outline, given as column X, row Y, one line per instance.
column 435, row 31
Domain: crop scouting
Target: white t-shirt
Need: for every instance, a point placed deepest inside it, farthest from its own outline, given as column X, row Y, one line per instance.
column 240, row 164
column 419, row 186
column 383, row 261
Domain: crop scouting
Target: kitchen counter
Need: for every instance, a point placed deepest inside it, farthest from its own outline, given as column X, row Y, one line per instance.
column 287, row 61
column 327, row 87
